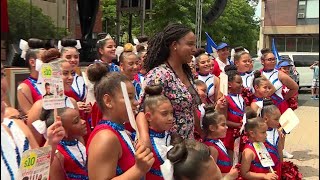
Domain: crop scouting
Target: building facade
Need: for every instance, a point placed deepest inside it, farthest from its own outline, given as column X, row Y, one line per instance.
column 65, row 14
column 294, row 24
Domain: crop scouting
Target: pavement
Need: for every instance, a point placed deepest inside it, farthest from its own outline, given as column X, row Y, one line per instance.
column 303, row 141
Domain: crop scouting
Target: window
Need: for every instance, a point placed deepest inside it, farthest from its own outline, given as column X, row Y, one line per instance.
column 315, row 47
column 280, row 44
column 312, row 10
column 291, row 44
column 304, row 44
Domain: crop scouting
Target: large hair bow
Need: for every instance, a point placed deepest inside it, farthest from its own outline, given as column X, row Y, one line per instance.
column 23, row 45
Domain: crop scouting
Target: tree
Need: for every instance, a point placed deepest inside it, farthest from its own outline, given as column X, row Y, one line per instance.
column 26, row 21
column 237, row 23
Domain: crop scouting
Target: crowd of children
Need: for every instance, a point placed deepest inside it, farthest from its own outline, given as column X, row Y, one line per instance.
column 187, row 127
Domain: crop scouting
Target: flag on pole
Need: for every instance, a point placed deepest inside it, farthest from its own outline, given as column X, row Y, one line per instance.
column 211, row 46
column 275, row 52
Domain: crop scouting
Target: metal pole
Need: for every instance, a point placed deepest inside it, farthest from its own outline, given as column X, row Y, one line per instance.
column 118, row 22
column 30, row 19
column 130, row 27
column 143, row 16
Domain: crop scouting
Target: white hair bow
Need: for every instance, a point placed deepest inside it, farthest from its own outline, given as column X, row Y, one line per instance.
column 23, row 45
column 77, row 46
column 167, row 168
column 136, row 41
column 41, row 127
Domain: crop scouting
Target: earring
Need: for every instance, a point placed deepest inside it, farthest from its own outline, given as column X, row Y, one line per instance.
column 175, row 49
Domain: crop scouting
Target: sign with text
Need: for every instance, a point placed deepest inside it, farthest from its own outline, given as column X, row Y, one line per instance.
column 52, row 83
column 35, row 164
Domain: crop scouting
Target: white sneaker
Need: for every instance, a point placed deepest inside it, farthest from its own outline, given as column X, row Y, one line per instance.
column 287, row 155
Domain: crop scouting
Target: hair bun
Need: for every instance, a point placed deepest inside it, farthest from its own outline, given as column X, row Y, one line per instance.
column 143, row 38
column 250, row 113
column 230, row 68
column 238, row 49
column 199, row 51
column 35, row 43
column 209, row 108
column 128, row 47
column 267, row 102
column 177, row 153
column 50, row 54
column 96, row 71
column 68, row 42
column 256, row 74
column 153, row 90
column 265, row 50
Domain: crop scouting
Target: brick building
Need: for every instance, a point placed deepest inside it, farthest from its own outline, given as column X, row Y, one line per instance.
column 294, row 24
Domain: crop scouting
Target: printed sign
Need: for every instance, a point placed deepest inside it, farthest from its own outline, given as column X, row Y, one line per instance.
column 263, row 154
column 35, row 164
column 288, row 120
column 224, row 84
column 51, row 81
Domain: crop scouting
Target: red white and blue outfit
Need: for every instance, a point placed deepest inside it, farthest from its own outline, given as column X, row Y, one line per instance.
column 138, row 89
column 84, row 115
column 236, row 109
column 139, row 77
column 223, row 160
column 256, row 165
column 209, row 80
column 258, row 101
column 160, row 142
column 34, row 87
column 112, row 66
column 127, row 160
column 248, row 90
column 277, row 98
column 75, row 159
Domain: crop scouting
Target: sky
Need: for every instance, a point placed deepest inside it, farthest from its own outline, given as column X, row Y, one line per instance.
column 258, row 9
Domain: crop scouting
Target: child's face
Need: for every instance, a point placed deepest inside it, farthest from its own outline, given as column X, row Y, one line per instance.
column 285, row 69
column 67, row 74
column 210, row 171
column 118, row 105
column 259, row 134
column 72, row 56
column 162, row 117
column 263, row 89
column 273, row 119
column 109, row 49
column 244, row 63
column 202, row 91
column 204, row 64
column 130, row 66
column 73, row 124
column 236, row 85
column 221, row 128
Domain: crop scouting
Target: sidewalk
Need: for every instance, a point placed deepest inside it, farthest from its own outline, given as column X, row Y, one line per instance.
column 303, row 142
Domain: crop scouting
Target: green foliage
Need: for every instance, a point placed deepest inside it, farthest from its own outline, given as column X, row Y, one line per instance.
column 21, row 26
column 237, row 23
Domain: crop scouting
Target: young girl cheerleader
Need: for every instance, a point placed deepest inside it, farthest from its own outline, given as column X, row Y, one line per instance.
column 236, row 107
column 70, row 161
column 191, row 160
column 51, row 55
column 203, row 64
column 29, row 91
column 94, row 72
column 129, row 65
column 251, row 167
column 271, row 114
column 78, row 90
column 107, row 52
column 215, row 128
column 110, row 149
column 243, row 62
column 278, row 79
column 262, row 89
column 159, row 114
column 285, row 66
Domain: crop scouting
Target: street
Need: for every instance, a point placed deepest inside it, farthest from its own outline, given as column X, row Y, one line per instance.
column 303, row 141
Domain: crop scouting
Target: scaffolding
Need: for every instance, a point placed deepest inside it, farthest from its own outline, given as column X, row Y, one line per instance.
column 198, row 22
